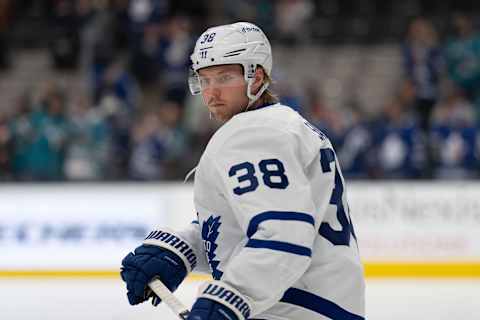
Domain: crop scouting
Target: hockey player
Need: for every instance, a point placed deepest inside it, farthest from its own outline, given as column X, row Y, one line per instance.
column 273, row 225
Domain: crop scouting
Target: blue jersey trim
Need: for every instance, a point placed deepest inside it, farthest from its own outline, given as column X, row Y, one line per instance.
column 279, row 246
column 318, row 304
column 277, row 215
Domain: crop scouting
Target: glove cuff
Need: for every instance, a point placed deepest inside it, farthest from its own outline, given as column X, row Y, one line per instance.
column 169, row 240
column 222, row 293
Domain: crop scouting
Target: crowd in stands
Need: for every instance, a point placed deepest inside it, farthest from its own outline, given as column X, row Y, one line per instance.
column 137, row 121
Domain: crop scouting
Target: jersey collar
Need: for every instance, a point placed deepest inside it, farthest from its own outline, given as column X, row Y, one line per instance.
column 263, row 106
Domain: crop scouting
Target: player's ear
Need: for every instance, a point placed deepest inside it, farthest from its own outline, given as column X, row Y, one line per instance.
column 259, row 79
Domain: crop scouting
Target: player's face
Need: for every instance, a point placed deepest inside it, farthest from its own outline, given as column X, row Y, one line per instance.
column 224, row 90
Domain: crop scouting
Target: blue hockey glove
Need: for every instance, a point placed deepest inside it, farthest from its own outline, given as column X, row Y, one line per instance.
column 164, row 256
column 219, row 301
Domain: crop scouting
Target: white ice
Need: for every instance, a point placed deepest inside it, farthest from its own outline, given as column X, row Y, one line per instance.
column 102, row 299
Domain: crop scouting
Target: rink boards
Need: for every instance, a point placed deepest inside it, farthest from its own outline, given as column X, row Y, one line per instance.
column 84, row 230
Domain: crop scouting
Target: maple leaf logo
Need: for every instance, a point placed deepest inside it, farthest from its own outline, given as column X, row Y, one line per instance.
column 209, row 235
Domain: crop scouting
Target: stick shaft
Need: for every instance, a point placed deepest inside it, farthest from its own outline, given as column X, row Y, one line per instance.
column 171, row 300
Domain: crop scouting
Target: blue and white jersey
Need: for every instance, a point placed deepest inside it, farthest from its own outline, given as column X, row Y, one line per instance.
column 399, row 149
column 457, row 154
column 273, row 219
column 354, row 151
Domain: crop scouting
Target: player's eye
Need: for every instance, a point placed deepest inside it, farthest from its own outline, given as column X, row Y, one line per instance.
column 224, row 78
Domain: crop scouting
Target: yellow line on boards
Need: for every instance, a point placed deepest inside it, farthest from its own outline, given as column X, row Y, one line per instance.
column 372, row 270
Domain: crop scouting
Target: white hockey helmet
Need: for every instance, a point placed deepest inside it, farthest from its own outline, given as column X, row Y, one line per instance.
column 238, row 43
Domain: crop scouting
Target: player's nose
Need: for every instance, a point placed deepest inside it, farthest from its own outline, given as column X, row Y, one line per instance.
column 211, row 93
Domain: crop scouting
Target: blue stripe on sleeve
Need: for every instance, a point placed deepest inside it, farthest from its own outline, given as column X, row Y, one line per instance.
column 318, row 304
column 279, row 246
column 277, row 215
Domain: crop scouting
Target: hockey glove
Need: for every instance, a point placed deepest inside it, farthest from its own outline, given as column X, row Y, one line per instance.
column 164, row 256
column 219, row 301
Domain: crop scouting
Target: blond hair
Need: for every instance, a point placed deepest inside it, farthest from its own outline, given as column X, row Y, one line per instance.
column 268, row 97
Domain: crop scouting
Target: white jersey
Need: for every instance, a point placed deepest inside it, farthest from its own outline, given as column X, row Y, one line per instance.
column 273, row 220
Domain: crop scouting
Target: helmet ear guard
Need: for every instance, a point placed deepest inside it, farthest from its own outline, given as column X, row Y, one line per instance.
column 194, row 82
column 249, row 71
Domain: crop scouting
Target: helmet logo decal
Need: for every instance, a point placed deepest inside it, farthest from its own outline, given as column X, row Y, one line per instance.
column 250, row 29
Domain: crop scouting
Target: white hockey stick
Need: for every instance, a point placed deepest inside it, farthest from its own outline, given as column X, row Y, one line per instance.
column 167, row 296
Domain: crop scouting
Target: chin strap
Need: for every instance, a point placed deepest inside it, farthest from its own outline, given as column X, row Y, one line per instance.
column 252, row 98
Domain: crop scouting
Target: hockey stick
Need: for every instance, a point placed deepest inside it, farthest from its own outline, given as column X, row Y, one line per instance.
column 167, row 296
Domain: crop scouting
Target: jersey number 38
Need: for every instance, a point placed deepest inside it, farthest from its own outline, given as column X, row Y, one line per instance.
column 273, row 175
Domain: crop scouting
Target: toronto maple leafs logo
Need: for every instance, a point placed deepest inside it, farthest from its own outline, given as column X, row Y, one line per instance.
column 209, row 235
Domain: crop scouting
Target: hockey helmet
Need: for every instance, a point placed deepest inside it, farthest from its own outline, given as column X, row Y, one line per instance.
column 238, row 43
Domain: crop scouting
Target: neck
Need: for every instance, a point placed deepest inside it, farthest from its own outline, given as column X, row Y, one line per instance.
column 257, row 104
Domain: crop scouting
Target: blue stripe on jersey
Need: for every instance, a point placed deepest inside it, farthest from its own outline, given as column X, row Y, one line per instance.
column 279, row 246
column 277, row 215
column 318, row 304
column 195, row 222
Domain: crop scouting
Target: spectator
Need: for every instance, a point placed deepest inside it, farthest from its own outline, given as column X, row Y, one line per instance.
column 22, row 135
column 65, row 42
column 148, row 148
column 146, row 56
column 463, row 60
column 117, row 81
column 398, row 149
column 262, row 12
column 160, row 145
column 87, row 155
column 51, row 134
column 41, row 136
column 176, row 58
column 147, row 20
column 355, row 149
column 5, row 25
column 241, row 10
column 100, row 51
column 119, row 122
column 324, row 118
column 456, row 139
column 6, row 147
column 423, row 65
column 178, row 159
column 291, row 20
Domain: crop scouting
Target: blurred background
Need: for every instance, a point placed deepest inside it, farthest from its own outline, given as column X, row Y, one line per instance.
column 98, row 130
column 95, row 90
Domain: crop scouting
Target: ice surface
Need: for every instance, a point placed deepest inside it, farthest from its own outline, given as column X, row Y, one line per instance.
column 104, row 299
